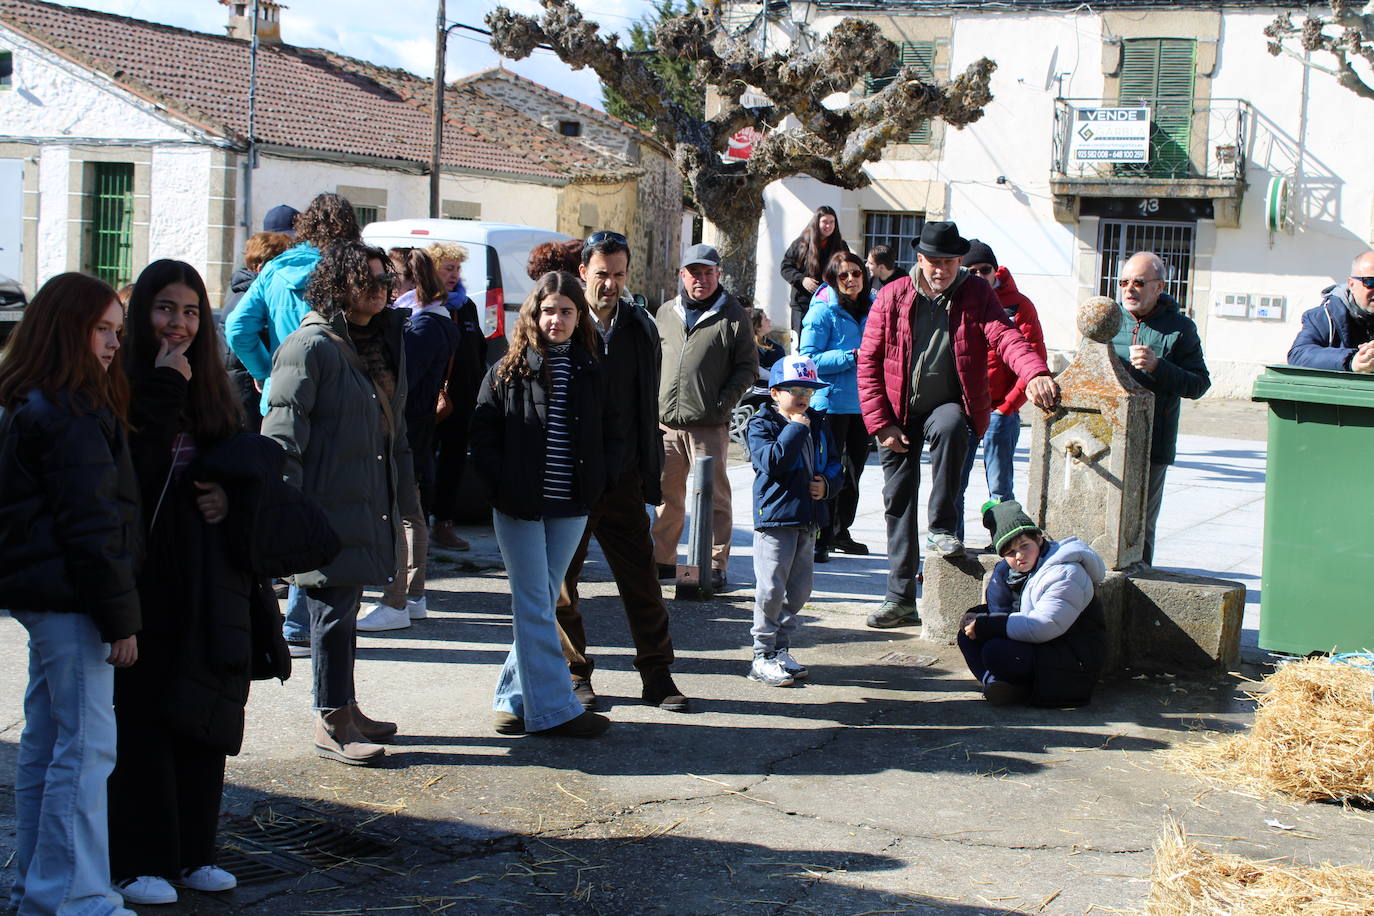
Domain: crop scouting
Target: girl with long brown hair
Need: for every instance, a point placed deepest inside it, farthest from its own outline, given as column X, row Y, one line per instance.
column 546, row 442
column 804, row 263
column 69, row 541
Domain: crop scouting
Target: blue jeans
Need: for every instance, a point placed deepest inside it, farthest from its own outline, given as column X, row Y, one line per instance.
column 62, row 859
column 999, row 450
column 297, row 625
column 534, row 682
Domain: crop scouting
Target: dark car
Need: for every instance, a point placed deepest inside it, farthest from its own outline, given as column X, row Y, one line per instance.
column 12, row 302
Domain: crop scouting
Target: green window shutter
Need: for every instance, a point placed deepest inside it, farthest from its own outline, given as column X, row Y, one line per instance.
column 112, row 222
column 918, row 54
column 366, row 214
column 1158, row 72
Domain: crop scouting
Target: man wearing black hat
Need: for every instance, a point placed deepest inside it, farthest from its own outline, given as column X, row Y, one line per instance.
column 923, row 377
column 709, row 361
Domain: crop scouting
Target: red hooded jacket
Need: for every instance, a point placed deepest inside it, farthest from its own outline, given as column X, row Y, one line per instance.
column 977, row 324
column 1006, row 389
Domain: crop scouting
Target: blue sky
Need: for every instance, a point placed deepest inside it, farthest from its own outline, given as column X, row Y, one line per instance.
column 397, row 33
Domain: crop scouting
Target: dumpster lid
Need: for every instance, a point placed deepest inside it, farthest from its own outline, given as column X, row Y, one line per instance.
column 1319, row 386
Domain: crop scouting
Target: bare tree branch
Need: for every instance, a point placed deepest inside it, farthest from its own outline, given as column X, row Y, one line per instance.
column 1347, row 36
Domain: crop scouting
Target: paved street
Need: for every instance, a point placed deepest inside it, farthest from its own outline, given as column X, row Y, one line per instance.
column 884, row 784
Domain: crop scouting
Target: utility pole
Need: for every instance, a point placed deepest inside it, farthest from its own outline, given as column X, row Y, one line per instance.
column 440, row 47
column 252, row 162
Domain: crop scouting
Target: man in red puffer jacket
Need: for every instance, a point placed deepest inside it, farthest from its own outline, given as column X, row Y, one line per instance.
column 923, row 377
column 1005, row 388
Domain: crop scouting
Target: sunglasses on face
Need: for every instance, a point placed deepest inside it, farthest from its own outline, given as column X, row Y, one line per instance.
column 596, row 238
column 984, row 269
column 1136, row 283
column 383, row 281
column 850, row 274
column 1367, row 281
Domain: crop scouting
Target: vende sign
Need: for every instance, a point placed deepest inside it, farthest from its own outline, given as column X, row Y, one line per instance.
column 1110, row 135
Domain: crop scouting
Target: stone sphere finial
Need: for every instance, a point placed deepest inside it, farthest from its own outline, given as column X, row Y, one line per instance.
column 1099, row 319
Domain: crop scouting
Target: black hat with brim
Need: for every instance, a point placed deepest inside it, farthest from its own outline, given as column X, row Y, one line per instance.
column 941, row 240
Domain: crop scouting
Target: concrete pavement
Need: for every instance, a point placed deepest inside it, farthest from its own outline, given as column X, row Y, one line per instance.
column 883, row 784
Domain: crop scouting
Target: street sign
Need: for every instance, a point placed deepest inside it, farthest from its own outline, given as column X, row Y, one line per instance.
column 1110, row 135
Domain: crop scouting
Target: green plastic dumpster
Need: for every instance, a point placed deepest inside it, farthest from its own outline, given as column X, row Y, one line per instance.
column 1317, row 586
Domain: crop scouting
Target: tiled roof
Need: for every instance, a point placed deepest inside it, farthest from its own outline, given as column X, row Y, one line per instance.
column 307, row 99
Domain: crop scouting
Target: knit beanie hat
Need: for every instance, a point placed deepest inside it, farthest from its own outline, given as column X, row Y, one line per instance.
column 979, row 253
column 1005, row 519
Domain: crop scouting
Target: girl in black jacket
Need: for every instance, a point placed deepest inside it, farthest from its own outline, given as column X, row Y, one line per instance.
column 68, row 550
column 166, row 786
column 804, row 262
column 545, row 442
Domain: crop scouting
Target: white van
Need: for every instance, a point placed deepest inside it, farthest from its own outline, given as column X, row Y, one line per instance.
column 494, row 273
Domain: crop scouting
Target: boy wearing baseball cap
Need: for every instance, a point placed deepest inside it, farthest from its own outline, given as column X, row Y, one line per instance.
column 795, row 468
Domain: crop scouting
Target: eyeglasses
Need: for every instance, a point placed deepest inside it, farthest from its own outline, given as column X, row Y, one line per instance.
column 983, row 269
column 850, row 274
column 799, row 392
column 596, row 238
column 1367, row 281
column 383, row 281
column 1136, row 283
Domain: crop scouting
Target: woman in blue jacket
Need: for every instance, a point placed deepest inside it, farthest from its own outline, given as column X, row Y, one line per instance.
column 831, row 334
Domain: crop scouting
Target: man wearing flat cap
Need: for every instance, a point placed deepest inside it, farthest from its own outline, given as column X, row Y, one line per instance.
column 923, row 379
column 709, row 361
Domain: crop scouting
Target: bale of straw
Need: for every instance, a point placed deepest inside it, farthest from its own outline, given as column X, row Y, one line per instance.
column 1312, row 738
column 1187, row 880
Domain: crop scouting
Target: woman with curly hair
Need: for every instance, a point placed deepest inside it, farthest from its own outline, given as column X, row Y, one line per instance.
column 337, row 407
column 804, row 263
column 546, row 442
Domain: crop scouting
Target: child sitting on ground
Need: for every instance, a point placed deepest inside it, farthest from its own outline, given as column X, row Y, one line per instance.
column 795, row 468
column 1041, row 636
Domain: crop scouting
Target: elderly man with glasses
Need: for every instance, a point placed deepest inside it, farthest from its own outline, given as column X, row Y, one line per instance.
column 1161, row 348
column 1339, row 334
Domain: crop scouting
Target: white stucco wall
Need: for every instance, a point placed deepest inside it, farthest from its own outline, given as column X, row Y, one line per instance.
column 53, row 179
column 180, row 205
column 1300, row 130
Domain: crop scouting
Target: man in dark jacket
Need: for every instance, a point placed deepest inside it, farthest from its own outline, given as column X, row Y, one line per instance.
column 923, row 376
column 709, row 361
column 1161, row 347
column 882, row 267
column 630, row 357
column 1339, row 334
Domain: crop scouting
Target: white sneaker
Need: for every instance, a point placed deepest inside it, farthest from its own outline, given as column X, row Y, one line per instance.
column 147, row 890
column 208, row 878
column 417, row 608
column 381, row 617
column 766, row 670
column 791, row 665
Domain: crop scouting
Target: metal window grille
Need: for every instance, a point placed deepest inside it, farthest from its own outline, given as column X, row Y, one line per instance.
column 366, row 214
column 918, row 54
column 112, row 222
column 1119, row 239
column 895, row 230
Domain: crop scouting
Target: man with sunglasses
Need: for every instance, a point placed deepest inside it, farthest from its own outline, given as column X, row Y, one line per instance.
column 630, row 357
column 923, row 378
column 1163, row 352
column 1339, row 334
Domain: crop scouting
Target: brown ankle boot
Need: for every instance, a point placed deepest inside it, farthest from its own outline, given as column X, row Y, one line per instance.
column 371, row 729
column 443, row 535
column 337, row 738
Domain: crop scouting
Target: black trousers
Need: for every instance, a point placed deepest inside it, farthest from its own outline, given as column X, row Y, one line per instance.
column 334, row 635
column 621, row 525
column 451, row 441
column 946, row 432
column 164, row 800
column 852, row 439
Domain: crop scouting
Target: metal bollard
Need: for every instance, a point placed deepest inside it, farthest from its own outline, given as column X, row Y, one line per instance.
column 694, row 579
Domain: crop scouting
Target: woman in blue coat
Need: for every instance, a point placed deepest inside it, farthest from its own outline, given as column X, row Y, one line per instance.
column 831, row 334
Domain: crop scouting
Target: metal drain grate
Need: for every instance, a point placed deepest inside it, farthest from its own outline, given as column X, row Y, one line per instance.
column 272, row 844
column 914, row 661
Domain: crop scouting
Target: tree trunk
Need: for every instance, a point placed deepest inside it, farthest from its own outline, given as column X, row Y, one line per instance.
column 733, row 204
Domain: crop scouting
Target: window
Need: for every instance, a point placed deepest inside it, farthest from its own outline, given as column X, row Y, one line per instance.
column 1158, row 72
column 570, row 128
column 6, row 69
column 460, row 209
column 918, row 54
column 365, row 214
column 109, row 255
column 1119, row 239
column 369, row 204
column 895, row 230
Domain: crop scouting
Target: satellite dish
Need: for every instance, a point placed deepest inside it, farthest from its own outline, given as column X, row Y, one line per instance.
column 1278, row 204
column 1052, row 71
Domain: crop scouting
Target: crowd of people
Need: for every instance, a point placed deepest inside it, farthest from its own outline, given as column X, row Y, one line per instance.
column 157, row 475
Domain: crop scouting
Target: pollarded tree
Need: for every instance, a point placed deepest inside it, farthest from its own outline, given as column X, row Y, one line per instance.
column 1347, row 35
column 830, row 144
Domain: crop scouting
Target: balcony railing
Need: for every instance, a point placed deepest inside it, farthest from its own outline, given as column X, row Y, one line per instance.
column 1186, row 141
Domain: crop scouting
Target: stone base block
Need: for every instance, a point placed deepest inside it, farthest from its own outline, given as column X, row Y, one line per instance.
column 951, row 588
column 1177, row 623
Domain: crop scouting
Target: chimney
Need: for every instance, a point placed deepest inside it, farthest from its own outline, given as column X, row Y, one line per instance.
column 241, row 20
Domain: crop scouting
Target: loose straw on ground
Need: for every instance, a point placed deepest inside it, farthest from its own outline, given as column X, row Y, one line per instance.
column 1190, row 881
column 1312, row 739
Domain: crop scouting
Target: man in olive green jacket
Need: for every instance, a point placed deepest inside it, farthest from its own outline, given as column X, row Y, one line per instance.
column 1161, row 347
column 709, row 361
